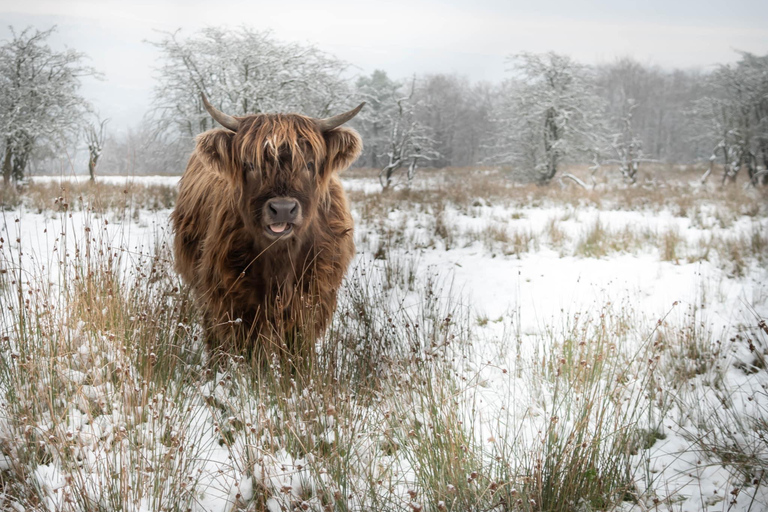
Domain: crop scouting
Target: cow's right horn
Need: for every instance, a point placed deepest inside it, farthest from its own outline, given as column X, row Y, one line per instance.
column 223, row 119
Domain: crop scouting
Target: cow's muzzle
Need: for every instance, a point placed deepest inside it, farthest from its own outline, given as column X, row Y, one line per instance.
column 281, row 214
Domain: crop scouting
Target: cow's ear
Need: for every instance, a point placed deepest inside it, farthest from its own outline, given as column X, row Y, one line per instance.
column 214, row 148
column 343, row 147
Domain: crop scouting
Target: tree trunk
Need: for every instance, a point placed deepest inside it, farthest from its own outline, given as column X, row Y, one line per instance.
column 7, row 166
column 92, row 168
column 21, row 158
column 709, row 170
column 412, row 171
column 761, row 178
column 729, row 172
column 385, row 175
column 551, row 137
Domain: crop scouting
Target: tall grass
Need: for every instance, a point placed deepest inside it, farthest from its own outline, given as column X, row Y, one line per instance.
column 109, row 401
column 97, row 341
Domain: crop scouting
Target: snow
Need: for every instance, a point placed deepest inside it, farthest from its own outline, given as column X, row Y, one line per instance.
column 170, row 181
column 530, row 293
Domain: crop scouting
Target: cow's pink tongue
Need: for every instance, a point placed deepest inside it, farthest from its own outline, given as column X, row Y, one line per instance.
column 278, row 228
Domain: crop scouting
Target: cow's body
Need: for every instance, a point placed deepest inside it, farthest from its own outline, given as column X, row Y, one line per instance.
column 263, row 239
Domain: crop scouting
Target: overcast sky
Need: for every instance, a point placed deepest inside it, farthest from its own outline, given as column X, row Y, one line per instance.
column 402, row 37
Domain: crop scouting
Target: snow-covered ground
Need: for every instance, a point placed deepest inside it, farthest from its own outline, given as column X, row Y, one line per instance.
column 526, row 296
column 171, row 181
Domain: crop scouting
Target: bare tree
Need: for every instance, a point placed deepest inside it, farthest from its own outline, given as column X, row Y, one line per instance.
column 549, row 112
column 660, row 99
column 452, row 111
column 409, row 142
column 373, row 121
column 40, row 107
column 714, row 115
column 627, row 146
column 241, row 71
column 733, row 117
column 751, row 91
column 95, row 138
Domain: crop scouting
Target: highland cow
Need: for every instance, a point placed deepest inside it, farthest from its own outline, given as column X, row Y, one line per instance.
column 263, row 232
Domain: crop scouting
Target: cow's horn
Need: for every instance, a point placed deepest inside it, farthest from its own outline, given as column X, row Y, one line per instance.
column 223, row 119
column 329, row 123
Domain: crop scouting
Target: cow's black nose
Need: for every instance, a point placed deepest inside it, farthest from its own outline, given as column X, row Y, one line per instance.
column 283, row 210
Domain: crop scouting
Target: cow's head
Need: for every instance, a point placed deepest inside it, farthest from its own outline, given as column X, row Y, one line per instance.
column 280, row 165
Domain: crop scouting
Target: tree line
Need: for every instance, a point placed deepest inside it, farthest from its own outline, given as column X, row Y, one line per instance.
column 549, row 112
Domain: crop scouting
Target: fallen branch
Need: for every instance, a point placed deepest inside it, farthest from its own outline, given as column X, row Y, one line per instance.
column 709, row 171
column 574, row 179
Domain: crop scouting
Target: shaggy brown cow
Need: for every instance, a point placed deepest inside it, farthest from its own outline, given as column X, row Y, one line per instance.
column 263, row 229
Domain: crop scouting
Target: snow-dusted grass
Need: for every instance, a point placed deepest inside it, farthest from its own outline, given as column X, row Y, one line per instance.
column 495, row 348
column 117, row 195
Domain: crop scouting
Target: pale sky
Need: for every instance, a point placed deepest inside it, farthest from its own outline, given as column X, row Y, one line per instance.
column 402, row 37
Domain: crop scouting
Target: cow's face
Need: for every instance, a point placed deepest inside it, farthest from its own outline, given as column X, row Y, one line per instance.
column 281, row 165
column 281, row 160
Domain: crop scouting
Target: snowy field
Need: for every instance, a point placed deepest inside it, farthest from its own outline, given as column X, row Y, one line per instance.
column 572, row 320
column 170, row 181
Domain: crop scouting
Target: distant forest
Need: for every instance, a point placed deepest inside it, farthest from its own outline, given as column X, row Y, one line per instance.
column 549, row 112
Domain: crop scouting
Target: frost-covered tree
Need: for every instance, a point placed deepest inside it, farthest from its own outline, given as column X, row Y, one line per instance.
column 628, row 88
column 241, row 71
column 714, row 115
column 549, row 112
column 392, row 127
column 452, row 111
column 627, row 146
column 378, row 91
column 733, row 117
column 41, row 109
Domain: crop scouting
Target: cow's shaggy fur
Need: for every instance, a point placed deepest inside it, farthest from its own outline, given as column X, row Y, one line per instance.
column 257, row 290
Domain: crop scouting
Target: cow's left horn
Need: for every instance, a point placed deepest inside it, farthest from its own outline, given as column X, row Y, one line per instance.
column 329, row 123
column 224, row 120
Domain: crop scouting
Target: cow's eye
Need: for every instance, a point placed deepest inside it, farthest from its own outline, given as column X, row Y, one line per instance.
column 247, row 166
column 311, row 167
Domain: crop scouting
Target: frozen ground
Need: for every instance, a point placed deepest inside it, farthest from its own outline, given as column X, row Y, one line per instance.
column 524, row 296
